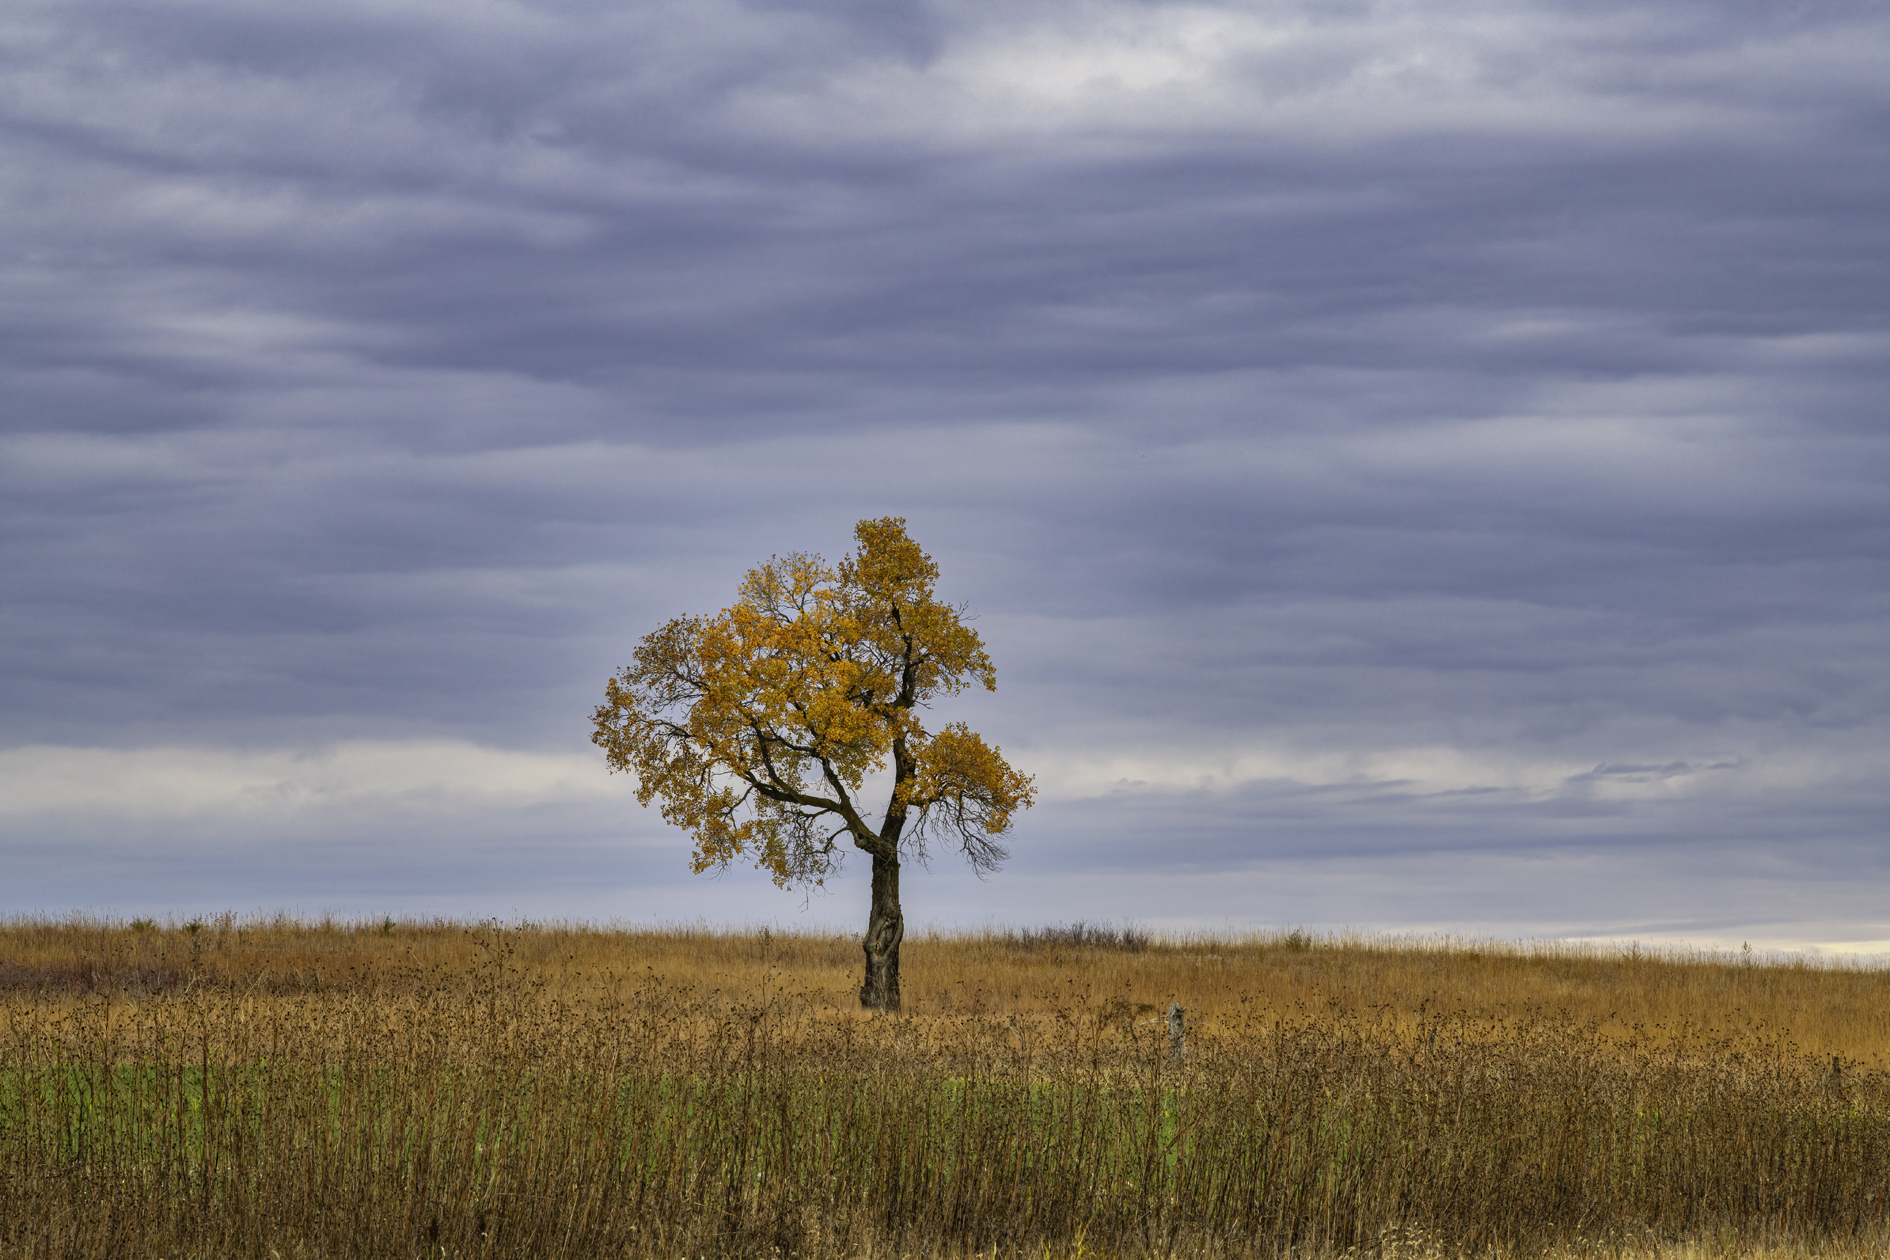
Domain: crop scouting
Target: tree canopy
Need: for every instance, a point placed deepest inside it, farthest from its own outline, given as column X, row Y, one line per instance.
column 757, row 728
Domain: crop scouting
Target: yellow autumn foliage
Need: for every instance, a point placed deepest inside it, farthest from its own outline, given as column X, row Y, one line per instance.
column 756, row 728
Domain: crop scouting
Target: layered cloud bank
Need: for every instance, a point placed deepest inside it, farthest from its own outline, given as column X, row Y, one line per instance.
column 1413, row 467
column 1427, row 839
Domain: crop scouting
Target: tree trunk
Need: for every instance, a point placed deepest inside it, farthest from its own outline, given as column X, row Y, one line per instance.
column 885, row 928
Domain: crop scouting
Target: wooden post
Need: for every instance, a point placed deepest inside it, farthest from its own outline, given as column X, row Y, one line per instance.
column 1177, row 1033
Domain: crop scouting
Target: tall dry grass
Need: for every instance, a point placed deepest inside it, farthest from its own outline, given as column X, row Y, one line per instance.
column 1826, row 1009
column 281, row 1088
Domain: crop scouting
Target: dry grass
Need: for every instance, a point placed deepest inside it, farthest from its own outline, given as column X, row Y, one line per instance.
column 1825, row 1009
column 277, row 1088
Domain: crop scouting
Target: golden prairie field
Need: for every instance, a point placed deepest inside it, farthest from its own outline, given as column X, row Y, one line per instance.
column 282, row 1088
column 1827, row 1009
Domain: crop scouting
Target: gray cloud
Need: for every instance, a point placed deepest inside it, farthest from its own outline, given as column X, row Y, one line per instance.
column 1365, row 435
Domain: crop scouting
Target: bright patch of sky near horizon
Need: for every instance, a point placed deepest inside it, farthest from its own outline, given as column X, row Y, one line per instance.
column 1417, row 467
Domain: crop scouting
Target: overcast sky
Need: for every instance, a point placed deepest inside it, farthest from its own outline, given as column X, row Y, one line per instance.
column 1417, row 466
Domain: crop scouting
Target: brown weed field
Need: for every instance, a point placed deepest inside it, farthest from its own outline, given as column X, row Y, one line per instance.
column 276, row 1088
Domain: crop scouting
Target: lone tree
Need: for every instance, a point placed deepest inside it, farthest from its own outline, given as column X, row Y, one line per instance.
column 758, row 726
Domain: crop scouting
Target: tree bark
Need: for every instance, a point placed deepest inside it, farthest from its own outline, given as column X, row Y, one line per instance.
column 885, row 928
